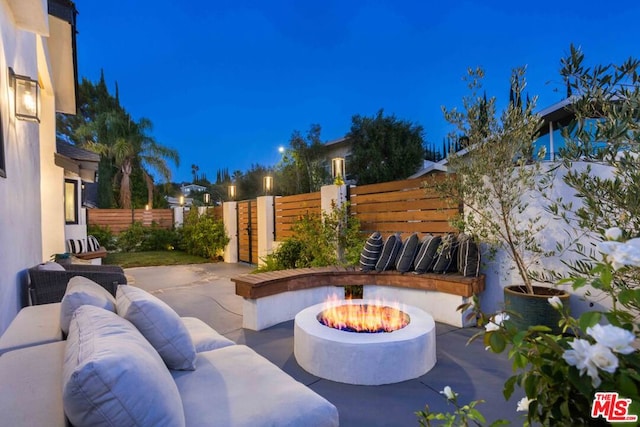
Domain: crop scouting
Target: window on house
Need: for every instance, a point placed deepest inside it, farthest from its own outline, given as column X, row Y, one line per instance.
column 71, row 201
column 3, row 170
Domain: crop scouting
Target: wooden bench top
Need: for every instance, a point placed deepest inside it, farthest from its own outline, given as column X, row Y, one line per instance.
column 100, row 253
column 260, row 285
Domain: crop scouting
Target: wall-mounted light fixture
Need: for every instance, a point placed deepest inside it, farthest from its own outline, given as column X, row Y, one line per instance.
column 267, row 184
column 26, row 92
column 231, row 192
column 337, row 168
column 207, row 198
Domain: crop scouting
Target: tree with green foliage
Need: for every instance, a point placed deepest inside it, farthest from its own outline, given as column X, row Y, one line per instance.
column 384, row 148
column 302, row 169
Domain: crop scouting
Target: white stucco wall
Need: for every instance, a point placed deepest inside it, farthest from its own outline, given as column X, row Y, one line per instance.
column 499, row 271
column 29, row 234
column 20, row 213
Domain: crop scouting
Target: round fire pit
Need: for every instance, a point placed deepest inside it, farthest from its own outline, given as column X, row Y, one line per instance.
column 365, row 358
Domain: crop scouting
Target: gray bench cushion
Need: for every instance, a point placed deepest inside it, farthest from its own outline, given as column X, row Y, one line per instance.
column 234, row 386
column 34, row 325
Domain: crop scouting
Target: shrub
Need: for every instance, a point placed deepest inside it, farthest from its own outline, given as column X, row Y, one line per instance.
column 130, row 240
column 159, row 239
column 104, row 235
column 203, row 235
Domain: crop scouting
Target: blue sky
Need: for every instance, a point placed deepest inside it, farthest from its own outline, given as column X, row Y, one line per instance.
column 227, row 82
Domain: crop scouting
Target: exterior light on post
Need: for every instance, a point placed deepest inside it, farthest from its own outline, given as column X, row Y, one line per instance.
column 207, row 198
column 26, row 92
column 231, row 191
column 267, row 184
column 338, row 169
column 146, row 207
column 181, row 200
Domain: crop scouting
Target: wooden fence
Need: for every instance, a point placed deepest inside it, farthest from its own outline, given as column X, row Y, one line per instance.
column 120, row 219
column 288, row 209
column 401, row 206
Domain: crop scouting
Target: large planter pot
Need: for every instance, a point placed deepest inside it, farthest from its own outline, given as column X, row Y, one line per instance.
column 528, row 310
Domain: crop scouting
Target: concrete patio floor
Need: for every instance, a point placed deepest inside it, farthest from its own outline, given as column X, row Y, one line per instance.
column 206, row 291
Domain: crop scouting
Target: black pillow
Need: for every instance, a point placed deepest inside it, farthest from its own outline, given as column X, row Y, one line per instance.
column 468, row 256
column 371, row 252
column 427, row 253
column 447, row 258
column 406, row 256
column 390, row 251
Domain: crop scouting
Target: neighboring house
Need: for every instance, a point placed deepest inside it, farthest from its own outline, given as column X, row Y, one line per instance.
column 80, row 167
column 38, row 41
column 192, row 188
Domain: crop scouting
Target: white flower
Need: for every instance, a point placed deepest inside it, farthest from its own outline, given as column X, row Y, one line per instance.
column 555, row 302
column 523, row 404
column 590, row 358
column 614, row 233
column 613, row 337
column 496, row 322
column 449, row 393
column 622, row 253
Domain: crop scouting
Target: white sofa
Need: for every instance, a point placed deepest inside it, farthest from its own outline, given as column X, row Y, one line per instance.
column 109, row 366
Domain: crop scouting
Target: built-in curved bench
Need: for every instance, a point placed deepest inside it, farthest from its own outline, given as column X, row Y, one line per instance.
column 277, row 296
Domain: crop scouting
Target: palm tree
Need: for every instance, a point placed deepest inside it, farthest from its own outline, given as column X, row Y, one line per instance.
column 124, row 142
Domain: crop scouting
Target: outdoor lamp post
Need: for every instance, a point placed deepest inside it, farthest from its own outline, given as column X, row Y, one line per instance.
column 207, row 198
column 231, row 192
column 25, row 91
column 337, row 168
column 267, row 184
column 181, row 200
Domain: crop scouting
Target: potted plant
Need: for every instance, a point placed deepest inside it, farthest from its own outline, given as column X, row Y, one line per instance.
column 495, row 177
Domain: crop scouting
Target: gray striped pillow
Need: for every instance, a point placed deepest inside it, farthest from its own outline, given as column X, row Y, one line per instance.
column 468, row 256
column 390, row 251
column 426, row 256
column 371, row 252
column 405, row 259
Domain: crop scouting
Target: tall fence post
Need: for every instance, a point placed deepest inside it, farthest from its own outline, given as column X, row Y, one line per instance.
column 332, row 195
column 178, row 216
column 229, row 217
column 265, row 226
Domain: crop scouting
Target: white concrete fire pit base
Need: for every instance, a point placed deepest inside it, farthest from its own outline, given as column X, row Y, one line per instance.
column 365, row 358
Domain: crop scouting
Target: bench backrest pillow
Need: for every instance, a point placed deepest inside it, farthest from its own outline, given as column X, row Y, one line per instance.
column 371, row 252
column 468, row 256
column 404, row 263
column 390, row 251
column 427, row 253
column 447, row 259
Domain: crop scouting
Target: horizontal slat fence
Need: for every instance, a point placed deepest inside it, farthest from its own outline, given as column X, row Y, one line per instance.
column 119, row 220
column 288, row 209
column 401, row 206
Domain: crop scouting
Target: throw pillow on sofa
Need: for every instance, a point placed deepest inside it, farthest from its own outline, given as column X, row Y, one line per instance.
column 408, row 253
column 76, row 246
column 426, row 257
column 468, row 256
column 82, row 291
column 447, row 260
column 371, row 252
column 390, row 251
column 92, row 244
column 50, row 266
column 159, row 324
column 113, row 377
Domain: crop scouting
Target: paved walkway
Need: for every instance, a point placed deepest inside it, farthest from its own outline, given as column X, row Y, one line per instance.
column 205, row 291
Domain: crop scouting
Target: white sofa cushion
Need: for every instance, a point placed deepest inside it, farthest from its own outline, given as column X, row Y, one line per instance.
column 50, row 266
column 159, row 324
column 204, row 337
column 34, row 325
column 81, row 291
column 248, row 390
column 113, row 377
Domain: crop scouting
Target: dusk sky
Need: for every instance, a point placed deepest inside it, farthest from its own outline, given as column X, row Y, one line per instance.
column 227, row 82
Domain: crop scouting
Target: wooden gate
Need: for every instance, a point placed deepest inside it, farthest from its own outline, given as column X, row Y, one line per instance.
column 248, row 231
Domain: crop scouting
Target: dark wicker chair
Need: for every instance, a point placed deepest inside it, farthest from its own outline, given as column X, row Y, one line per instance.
column 46, row 286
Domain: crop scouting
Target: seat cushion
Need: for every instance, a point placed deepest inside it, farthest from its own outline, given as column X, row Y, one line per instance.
column 113, row 377
column 34, row 325
column 248, row 390
column 404, row 262
column 371, row 252
column 204, row 337
column 81, row 291
column 159, row 324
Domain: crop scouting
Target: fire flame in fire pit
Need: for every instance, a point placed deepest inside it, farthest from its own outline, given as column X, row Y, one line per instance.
column 354, row 317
